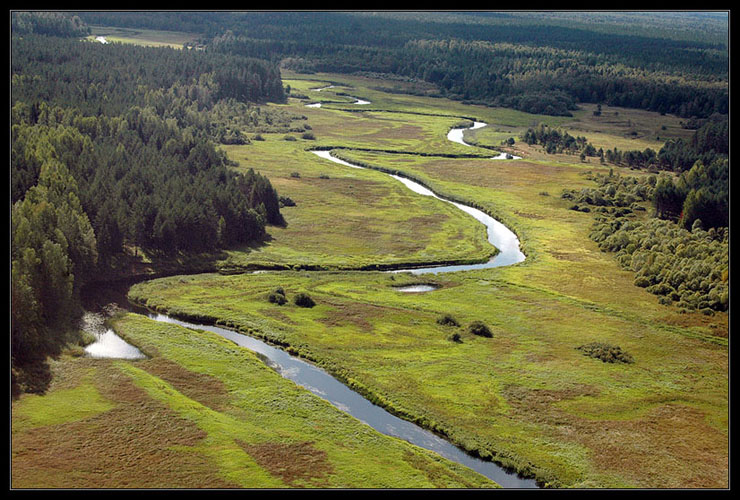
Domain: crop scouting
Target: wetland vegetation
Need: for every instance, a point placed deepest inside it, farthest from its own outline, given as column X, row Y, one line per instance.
column 180, row 166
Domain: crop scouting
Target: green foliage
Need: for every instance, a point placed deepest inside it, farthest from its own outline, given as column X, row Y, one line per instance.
column 277, row 296
column 447, row 320
column 606, row 352
column 479, row 328
column 53, row 250
column 48, row 23
column 303, row 300
column 490, row 63
column 701, row 193
column 455, row 337
column 112, row 146
column 686, row 267
column 709, row 143
column 558, row 141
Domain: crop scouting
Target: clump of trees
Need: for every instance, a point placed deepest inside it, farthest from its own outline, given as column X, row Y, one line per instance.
column 710, row 142
column 558, row 141
column 112, row 152
column 688, row 267
column 48, row 23
column 447, row 320
column 53, row 251
column 277, row 296
column 702, row 193
column 302, row 299
column 479, row 328
column 606, row 352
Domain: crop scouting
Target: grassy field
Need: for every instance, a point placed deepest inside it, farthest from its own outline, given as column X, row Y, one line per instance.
column 341, row 215
column 202, row 413
column 144, row 37
column 527, row 396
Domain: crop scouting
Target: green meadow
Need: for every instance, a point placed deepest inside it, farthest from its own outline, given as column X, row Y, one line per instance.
column 201, row 412
column 525, row 397
column 143, row 37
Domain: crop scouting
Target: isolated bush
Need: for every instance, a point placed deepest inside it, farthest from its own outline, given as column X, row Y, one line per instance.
column 606, row 352
column 309, row 135
column 447, row 320
column 295, row 175
column 277, row 296
column 455, row 337
column 285, row 201
column 479, row 328
column 303, row 300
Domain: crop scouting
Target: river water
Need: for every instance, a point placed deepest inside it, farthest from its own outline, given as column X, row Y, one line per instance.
column 327, row 387
column 499, row 235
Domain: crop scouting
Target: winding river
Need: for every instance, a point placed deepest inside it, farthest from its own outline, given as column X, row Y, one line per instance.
column 327, row 387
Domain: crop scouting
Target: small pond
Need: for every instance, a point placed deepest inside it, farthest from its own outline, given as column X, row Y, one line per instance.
column 416, row 288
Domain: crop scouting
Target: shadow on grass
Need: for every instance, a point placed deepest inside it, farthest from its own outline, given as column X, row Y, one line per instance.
column 31, row 377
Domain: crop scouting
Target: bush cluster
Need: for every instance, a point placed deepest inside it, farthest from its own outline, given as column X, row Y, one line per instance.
column 689, row 267
column 447, row 320
column 479, row 328
column 606, row 352
column 277, row 296
column 303, row 300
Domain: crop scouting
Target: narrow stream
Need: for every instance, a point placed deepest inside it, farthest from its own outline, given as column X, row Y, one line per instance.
column 327, row 387
column 499, row 235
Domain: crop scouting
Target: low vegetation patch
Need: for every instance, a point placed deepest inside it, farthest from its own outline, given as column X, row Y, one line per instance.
column 479, row 328
column 606, row 352
column 277, row 297
column 455, row 337
column 447, row 320
column 303, row 300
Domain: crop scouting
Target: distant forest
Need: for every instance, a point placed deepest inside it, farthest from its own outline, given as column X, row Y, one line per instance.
column 501, row 59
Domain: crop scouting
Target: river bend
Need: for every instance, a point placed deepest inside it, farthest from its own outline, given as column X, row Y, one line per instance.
column 327, row 387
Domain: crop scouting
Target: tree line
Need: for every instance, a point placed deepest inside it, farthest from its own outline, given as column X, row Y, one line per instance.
column 513, row 61
column 112, row 153
column 685, row 262
column 710, row 141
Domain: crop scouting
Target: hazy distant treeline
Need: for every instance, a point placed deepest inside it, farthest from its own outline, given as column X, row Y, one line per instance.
column 524, row 63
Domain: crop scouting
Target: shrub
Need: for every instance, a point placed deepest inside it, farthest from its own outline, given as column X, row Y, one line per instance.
column 285, row 201
column 479, row 328
column 308, row 135
column 447, row 320
column 295, row 175
column 277, row 296
column 605, row 352
column 303, row 300
column 455, row 337
column 290, row 138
